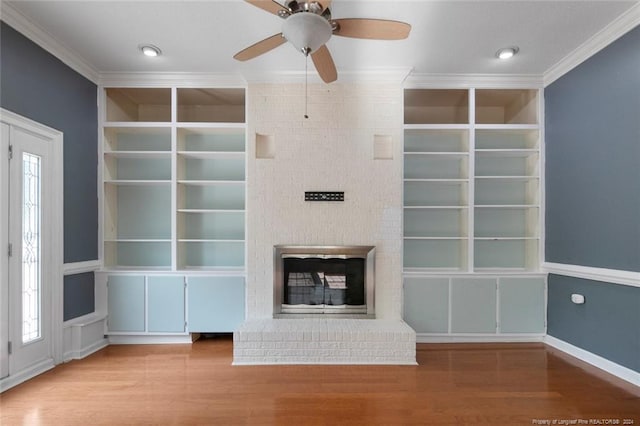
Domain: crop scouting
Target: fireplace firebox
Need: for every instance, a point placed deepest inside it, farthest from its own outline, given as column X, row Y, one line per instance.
column 320, row 280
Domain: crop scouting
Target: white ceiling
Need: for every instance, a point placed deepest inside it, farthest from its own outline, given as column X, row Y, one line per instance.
column 447, row 37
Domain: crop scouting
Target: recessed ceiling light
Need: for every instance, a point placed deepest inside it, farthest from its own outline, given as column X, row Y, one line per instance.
column 150, row 50
column 507, row 52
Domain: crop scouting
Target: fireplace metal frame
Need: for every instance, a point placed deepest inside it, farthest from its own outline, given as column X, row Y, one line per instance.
column 324, row 252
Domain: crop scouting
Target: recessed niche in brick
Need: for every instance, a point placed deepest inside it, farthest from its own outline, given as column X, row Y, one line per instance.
column 382, row 147
column 265, row 146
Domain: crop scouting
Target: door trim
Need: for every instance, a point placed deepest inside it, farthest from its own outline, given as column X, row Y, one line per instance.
column 55, row 252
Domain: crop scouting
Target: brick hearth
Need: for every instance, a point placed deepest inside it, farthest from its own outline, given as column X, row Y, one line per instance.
column 324, row 341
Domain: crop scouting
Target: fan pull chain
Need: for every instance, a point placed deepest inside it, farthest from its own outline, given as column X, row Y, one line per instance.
column 306, row 84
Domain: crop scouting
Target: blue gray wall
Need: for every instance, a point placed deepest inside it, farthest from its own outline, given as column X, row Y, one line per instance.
column 36, row 85
column 592, row 125
column 79, row 295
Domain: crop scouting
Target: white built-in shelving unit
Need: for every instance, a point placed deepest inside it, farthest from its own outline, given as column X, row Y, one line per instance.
column 173, row 211
column 472, row 215
column 471, row 180
column 174, row 179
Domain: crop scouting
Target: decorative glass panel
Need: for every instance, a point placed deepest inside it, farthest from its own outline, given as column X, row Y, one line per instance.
column 31, row 243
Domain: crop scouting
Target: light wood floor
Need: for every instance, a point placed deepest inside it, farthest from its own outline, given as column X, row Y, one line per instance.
column 514, row 384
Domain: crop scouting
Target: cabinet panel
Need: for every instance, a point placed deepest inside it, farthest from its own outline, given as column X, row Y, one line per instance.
column 473, row 305
column 126, row 304
column 522, row 305
column 426, row 304
column 165, row 304
column 216, row 304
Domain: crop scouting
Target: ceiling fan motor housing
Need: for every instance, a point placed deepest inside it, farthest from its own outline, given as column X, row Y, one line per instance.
column 306, row 30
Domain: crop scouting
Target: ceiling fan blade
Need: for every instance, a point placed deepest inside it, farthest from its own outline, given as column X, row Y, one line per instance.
column 270, row 6
column 324, row 64
column 260, row 47
column 326, row 4
column 375, row 29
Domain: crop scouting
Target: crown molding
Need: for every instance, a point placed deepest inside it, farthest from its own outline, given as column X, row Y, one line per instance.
column 165, row 79
column 23, row 25
column 465, row 81
column 616, row 29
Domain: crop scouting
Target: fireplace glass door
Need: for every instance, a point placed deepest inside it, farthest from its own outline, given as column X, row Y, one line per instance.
column 314, row 284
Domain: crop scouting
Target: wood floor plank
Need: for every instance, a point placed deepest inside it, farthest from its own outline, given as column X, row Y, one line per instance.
column 504, row 384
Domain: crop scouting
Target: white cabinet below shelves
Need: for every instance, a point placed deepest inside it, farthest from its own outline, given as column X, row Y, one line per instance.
column 475, row 308
column 139, row 304
column 473, row 305
column 174, row 305
column 126, row 304
column 165, row 304
column 216, row 304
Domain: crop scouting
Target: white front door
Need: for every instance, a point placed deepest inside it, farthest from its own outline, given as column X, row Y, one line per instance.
column 27, row 270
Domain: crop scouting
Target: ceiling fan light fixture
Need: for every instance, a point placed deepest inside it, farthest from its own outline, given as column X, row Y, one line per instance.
column 150, row 50
column 507, row 52
column 306, row 31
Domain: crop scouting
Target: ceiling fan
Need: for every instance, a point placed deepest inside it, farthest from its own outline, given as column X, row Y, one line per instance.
column 308, row 26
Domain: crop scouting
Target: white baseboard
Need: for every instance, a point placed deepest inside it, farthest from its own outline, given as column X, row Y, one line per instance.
column 29, row 373
column 479, row 338
column 610, row 367
column 85, row 351
column 149, row 339
column 83, row 336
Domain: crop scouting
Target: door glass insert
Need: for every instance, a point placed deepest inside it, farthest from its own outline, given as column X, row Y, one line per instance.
column 31, row 244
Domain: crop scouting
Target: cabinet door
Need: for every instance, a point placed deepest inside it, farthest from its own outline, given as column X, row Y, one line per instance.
column 426, row 304
column 473, row 305
column 126, row 303
column 522, row 304
column 216, row 304
column 165, row 304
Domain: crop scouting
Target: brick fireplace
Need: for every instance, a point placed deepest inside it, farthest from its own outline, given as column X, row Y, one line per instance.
column 335, row 149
